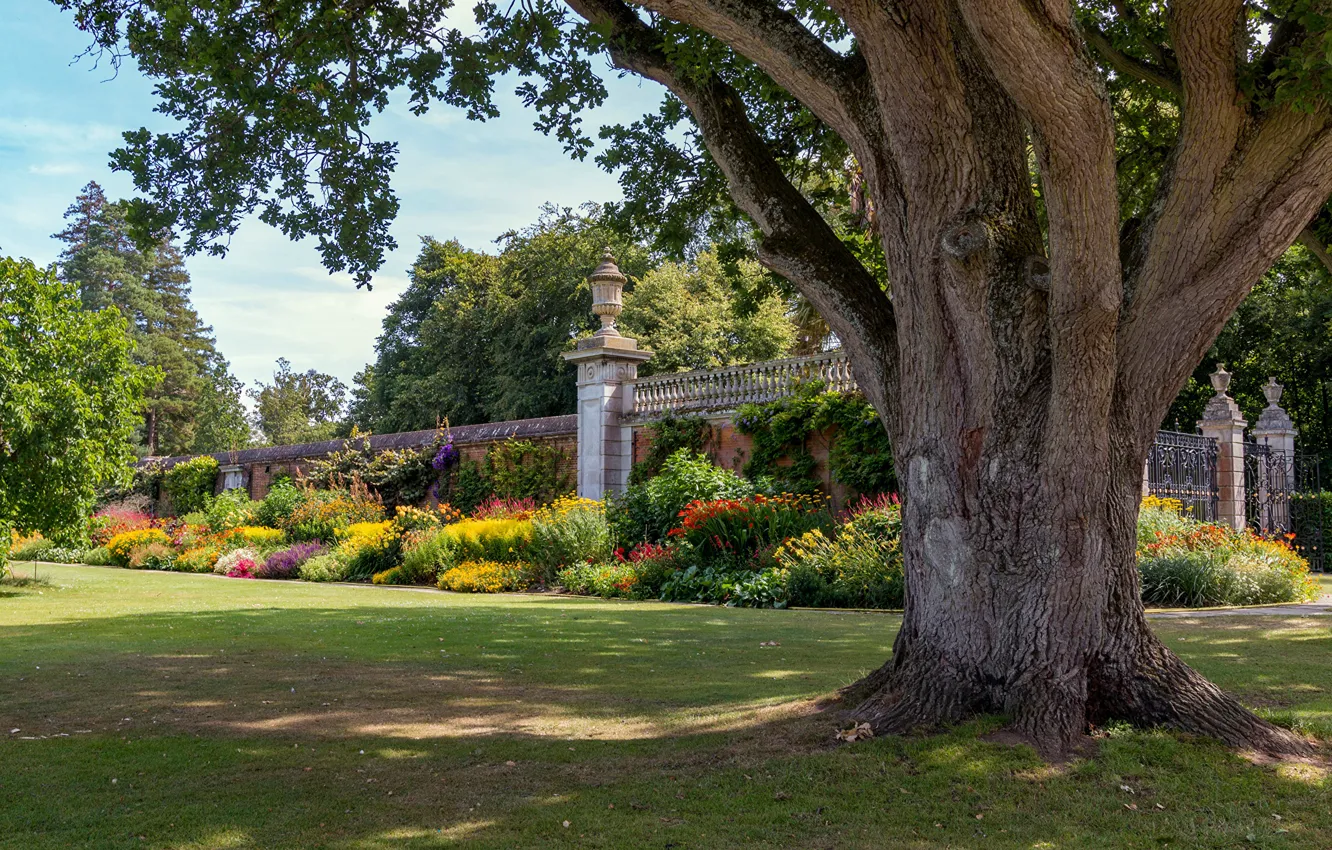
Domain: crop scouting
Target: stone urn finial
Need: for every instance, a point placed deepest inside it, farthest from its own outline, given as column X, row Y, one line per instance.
column 1220, row 379
column 1272, row 392
column 607, row 293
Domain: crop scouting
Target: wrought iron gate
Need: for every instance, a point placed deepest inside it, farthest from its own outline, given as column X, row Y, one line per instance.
column 1284, row 497
column 1183, row 466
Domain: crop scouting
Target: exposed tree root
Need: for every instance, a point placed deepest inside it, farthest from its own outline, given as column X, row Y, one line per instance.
column 1148, row 687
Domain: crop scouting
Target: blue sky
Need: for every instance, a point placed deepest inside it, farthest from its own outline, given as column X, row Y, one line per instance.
column 268, row 297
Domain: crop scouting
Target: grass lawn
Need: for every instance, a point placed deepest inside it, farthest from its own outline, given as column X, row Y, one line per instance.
column 173, row 711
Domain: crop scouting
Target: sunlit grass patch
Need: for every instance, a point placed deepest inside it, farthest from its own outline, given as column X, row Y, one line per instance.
column 251, row 714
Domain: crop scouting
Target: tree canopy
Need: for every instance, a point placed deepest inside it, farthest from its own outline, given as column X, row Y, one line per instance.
column 70, row 398
column 298, row 407
column 477, row 337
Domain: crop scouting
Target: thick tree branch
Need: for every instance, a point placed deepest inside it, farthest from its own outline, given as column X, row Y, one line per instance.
column 1130, row 66
column 1240, row 189
column 797, row 242
column 1315, row 246
column 1035, row 50
column 775, row 40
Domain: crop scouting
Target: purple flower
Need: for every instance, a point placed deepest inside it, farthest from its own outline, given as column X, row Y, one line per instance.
column 284, row 564
column 446, row 456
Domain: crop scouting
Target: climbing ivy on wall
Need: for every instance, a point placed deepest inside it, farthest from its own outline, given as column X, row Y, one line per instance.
column 513, row 469
column 782, row 431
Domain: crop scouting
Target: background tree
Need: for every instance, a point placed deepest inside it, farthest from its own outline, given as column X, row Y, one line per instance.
column 298, row 407
column 688, row 314
column 1037, row 331
column 69, row 402
column 195, row 402
column 1283, row 330
column 477, row 338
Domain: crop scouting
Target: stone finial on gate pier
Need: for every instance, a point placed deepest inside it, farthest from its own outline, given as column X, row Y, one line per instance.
column 607, row 365
column 1223, row 422
column 1274, row 427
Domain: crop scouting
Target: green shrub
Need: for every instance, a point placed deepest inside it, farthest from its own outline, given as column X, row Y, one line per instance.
column 230, row 509
column 568, row 531
column 648, row 511
column 616, row 580
column 323, row 568
column 277, row 507
column 733, row 588
column 190, row 483
column 98, row 557
column 1189, row 564
column 427, row 554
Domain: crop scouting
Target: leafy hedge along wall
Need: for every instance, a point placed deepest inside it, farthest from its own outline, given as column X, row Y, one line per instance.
column 811, row 440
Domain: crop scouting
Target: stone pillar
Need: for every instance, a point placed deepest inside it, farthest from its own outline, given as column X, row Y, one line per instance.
column 607, row 366
column 1223, row 422
column 1276, row 430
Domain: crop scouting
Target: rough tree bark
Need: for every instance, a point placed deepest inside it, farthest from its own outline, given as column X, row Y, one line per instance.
column 1021, row 373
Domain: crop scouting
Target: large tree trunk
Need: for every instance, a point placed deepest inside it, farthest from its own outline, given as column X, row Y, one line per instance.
column 1024, row 362
column 1015, row 607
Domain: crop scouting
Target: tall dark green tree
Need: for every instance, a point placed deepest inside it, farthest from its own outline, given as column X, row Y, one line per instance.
column 195, row 405
column 1037, row 330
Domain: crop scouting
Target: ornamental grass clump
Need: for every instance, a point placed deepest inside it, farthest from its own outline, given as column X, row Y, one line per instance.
column 368, row 548
column 567, row 532
column 1188, row 564
column 31, row 548
column 484, row 577
column 152, row 556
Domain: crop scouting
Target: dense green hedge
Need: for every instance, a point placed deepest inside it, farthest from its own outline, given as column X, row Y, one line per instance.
column 190, row 483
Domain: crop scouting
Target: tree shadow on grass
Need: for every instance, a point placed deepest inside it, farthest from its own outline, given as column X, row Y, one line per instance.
column 641, row 726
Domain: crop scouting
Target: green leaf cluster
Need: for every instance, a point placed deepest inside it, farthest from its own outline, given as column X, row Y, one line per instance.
column 70, row 396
